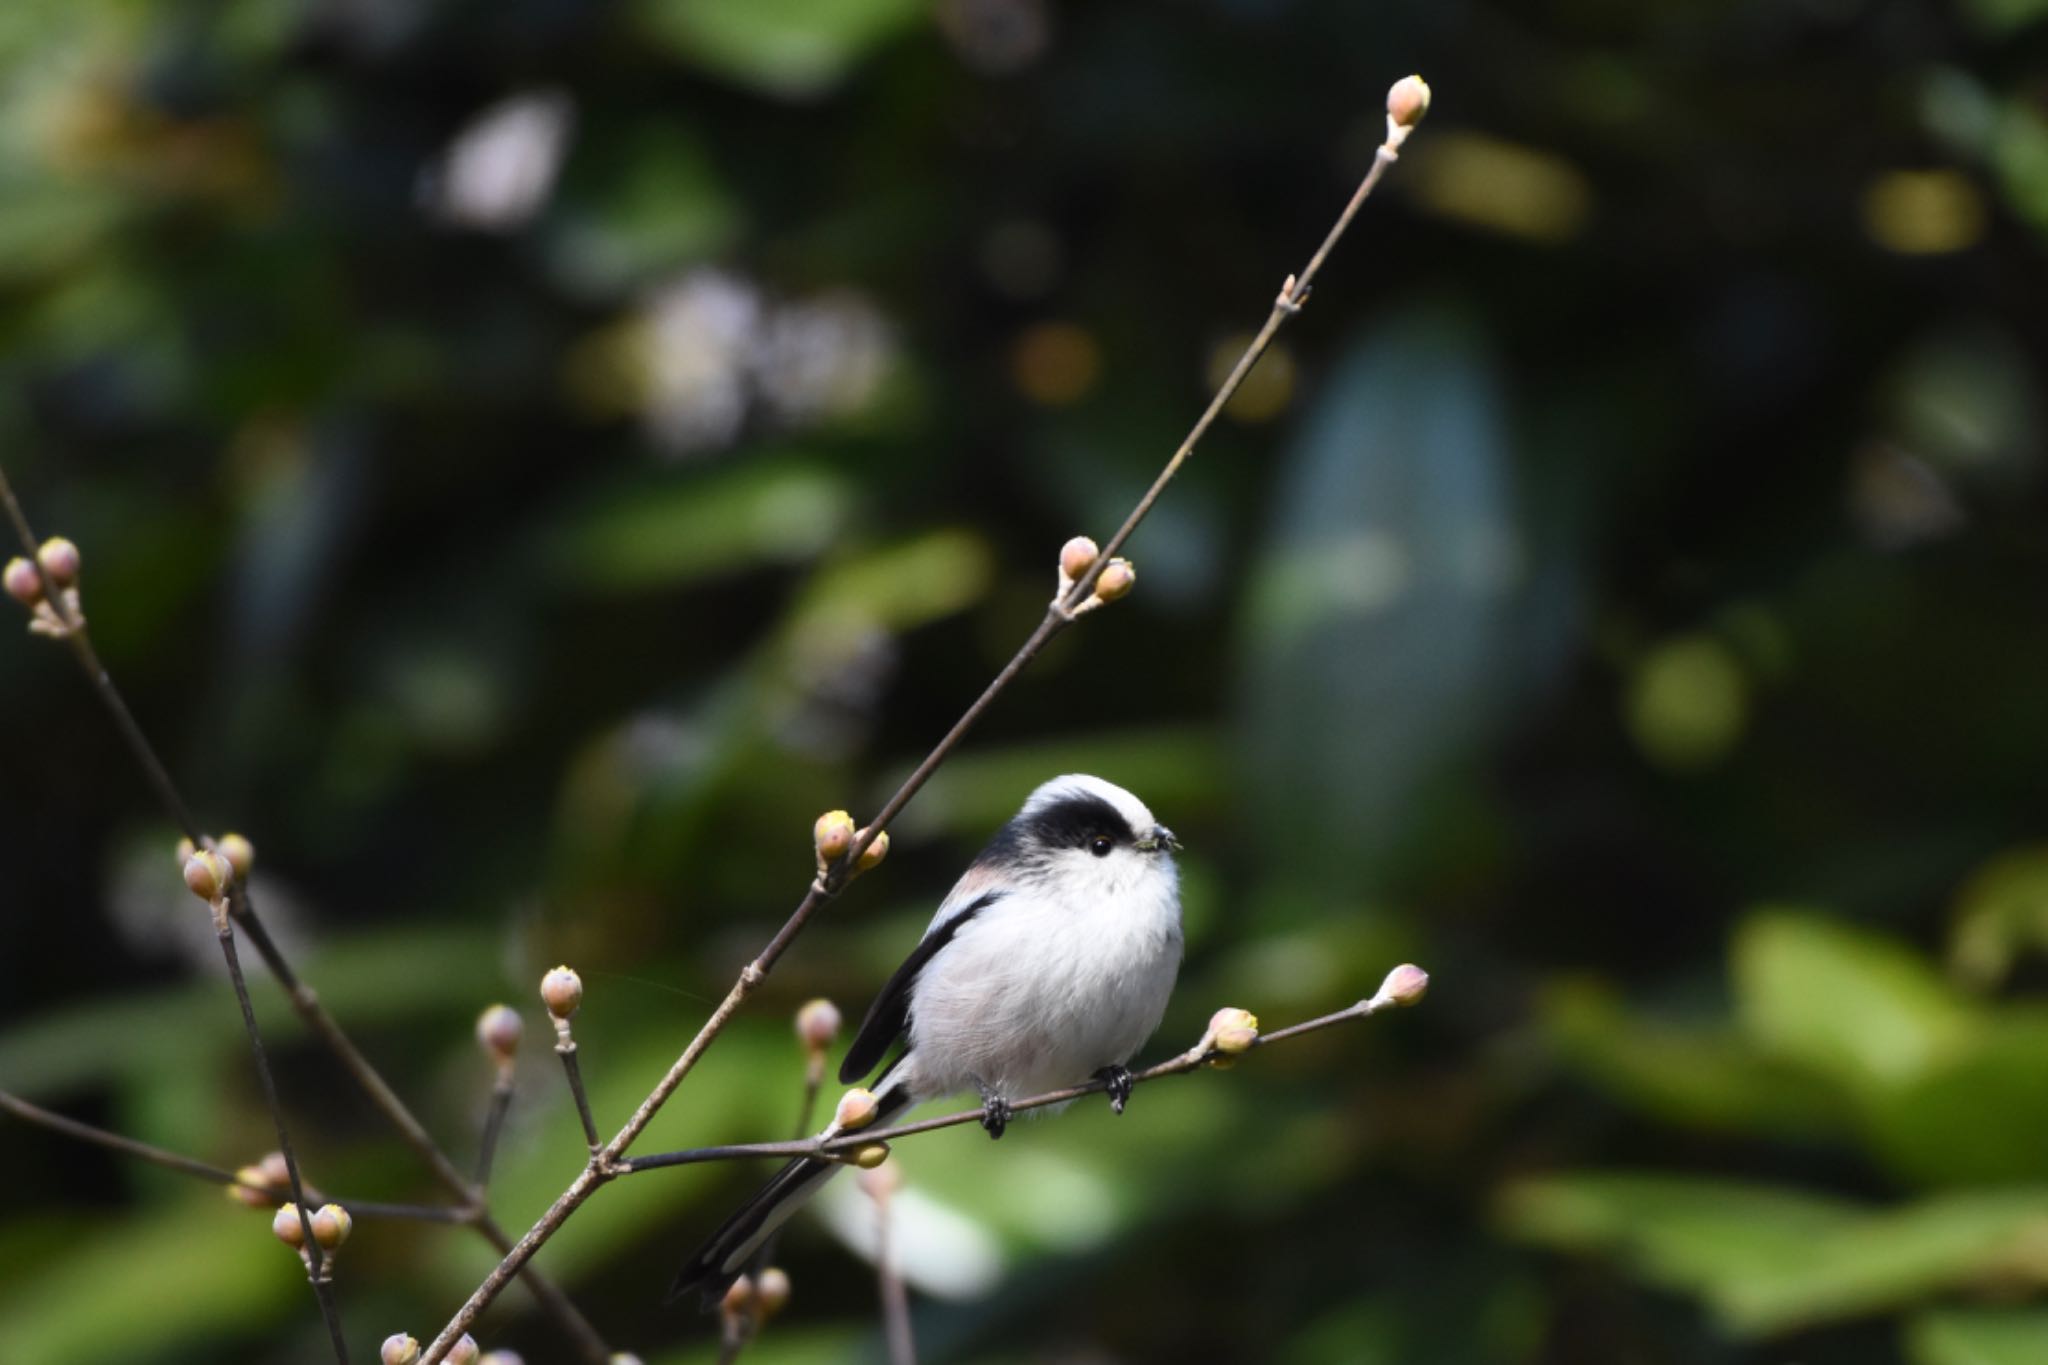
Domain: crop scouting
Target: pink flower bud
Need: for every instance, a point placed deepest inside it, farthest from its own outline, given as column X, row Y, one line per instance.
column 817, row 1024
column 245, row 1192
column 739, row 1298
column 1408, row 101
column 287, row 1228
column 59, row 558
column 399, row 1349
column 240, row 853
column 331, row 1226
column 1076, row 555
column 21, row 582
column 871, row 856
column 1404, row 985
column 832, row 835
column 1116, row 580
column 856, row 1110
column 208, row 875
column 498, row 1030
column 771, row 1292
column 561, row 990
column 463, row 1352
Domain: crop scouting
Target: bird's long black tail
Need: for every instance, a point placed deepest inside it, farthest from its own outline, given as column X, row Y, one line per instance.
column 724, row 1257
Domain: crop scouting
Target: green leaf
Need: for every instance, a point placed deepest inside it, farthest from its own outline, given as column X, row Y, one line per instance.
column 2000, row 911
column 1691, row 1075
column 1853, row 1005
column 795, row 48
column 1767, row 1260
column 1979, row 1337
column 1975, row 1117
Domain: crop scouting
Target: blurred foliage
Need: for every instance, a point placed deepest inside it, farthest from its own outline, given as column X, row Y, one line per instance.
column 532, row 458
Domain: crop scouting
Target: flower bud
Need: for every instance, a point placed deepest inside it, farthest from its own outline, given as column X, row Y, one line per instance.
column 463, row 1352
column 498, row 1030
column 624, row 1358
column 871, row 856
column 856, row 1110
column 739, row 1298
column 1232, row 1032
column 1075, row 557
column 869, row 1156
column 880, row 1181
column 561, row 990
column 832, row 835
column 240, row 853
column 399, row 1349
column 1116, row 580
column 771, row 1291
column 817, row 1024
column 1408, row 101
column 286, row 1227
column 21, row 582
column 502, row 1358
column 59, row 558
column 249, row 1189
column 331, row 1226
column 1404, row 985
column 208, row 875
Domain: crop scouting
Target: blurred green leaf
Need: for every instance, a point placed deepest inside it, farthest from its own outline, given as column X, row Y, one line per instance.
column 784, row 47
column 2000, row 911
column 1768, row 1260
column 670, row 531
column 1851, row 1004
column 1698, row 1076
column 1975, row 1116
column 1979, row 1337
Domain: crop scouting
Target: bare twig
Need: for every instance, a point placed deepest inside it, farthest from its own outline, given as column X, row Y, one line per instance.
column 1202, row 1054
column 75, row 632
column 574, row 1071
column 494, row 1122
column 880, row 1185
column 606, row 1162
column 272, row 1191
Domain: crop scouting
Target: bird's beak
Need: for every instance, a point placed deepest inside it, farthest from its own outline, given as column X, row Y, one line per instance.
column 1156, row 838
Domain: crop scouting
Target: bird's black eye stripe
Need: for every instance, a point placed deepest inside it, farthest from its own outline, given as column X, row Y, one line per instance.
column 1075, row 820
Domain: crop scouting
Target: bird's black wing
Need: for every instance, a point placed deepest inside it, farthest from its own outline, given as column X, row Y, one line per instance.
column 889, row 1016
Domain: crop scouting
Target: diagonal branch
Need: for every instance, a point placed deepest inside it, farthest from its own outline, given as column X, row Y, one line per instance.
column 1074, row 599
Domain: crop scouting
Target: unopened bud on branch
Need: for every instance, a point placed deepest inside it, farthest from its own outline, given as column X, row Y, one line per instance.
column 498, row 1030
column 22, row 582
column 832, row 835
column 856, row 1110
column 331, row 1226
column 771, row 1292
column 502, row 1358
column 870, row 1156
column 208, row 875
column 561, row 990
column 1408, row 101
column 625, row 1358
column 817, row 1024
column 240, row 853
column 1116, row 580
column 739, row 1298
column 287, row 1228
column 1075, row 557
column 59, row 558
column 871, row 856
column 251, row 1188
column 1404, row 985
column 1232, row 1032
column 400, row 1349
column 463, row 1352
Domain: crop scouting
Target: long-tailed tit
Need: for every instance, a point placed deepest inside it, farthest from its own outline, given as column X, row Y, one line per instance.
column 1048, row 964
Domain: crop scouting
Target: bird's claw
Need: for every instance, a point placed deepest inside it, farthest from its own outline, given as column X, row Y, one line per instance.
column 995, row 1113
column 1116, row 1080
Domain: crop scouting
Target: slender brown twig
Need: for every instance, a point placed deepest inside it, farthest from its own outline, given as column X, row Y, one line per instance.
column 218, row 1175
column 1065, row 608
column 494, row 1122
column 574, row 1071
column 75, row 632
column 881, row 1185
column 837, row 1145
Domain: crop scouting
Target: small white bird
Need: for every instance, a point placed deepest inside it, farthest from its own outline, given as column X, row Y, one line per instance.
column 1047, row 965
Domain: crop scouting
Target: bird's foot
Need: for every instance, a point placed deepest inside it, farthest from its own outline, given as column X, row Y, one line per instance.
column 995, row 1112
column 1117, row 1081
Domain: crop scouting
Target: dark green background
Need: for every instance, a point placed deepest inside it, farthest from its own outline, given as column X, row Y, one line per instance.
column 1623, row 594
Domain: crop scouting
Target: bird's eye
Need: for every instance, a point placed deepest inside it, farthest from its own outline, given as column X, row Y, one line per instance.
column 1100, row 845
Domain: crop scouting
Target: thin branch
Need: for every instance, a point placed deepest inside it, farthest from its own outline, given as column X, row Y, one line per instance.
column 494, row 1123
column 1294, row 292
column 217, row 1175
column 316, row 1261
column 590, row 1345
column 574, row 1071
column 895, row 1297
column 1195, row 1058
